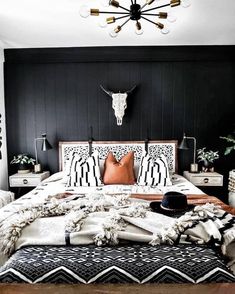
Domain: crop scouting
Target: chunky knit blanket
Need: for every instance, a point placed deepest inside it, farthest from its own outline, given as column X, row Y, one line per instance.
column 106, row 220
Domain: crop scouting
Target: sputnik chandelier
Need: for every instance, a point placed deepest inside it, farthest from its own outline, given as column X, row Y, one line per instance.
column 136, row 12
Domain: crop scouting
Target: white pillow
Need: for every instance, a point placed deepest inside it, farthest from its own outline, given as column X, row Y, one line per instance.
column 153, row 173
column 84, row 172
column 67, row 166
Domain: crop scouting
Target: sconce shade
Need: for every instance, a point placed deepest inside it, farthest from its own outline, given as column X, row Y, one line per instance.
column 46, row 145
column 184, row 144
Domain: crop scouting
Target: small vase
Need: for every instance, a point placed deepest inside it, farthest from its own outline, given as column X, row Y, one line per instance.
column 207, row 167
column 23, row 169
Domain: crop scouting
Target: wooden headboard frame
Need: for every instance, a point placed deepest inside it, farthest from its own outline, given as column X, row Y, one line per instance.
column 120, row 148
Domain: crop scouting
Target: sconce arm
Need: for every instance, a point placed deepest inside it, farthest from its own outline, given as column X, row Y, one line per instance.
column 35, row 148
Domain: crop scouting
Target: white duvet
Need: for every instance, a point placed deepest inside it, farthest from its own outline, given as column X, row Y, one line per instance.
column 55, row 184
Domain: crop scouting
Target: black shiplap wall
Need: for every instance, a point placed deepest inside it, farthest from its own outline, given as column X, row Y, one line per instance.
column 189, row 89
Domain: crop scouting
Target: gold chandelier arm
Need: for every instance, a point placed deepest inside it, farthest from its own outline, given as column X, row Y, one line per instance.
column 96, row 12
column 175, row 3
column 148, row 2
column 113, row 19
column 172, row 3
column 158, row 24
column 117, row 5
column 157, row 7
column 122, row 25
column 124, row 8
column 160, row 14
column 119, row 28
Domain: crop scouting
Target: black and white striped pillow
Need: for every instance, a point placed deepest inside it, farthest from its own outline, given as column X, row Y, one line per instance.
column 153, row 173
column 84, row 173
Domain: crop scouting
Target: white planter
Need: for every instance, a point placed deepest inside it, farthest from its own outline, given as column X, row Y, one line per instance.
column 231, row 188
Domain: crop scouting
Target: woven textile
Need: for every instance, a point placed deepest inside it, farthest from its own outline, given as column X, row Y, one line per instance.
column 135, row 263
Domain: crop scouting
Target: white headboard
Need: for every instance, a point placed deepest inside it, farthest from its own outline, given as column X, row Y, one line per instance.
column 119, row 149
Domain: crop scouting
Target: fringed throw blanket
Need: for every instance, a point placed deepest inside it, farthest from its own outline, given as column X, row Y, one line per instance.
column 106, row 220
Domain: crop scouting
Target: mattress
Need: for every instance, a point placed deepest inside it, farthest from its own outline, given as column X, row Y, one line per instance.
column 179, row 184
column 135, row 263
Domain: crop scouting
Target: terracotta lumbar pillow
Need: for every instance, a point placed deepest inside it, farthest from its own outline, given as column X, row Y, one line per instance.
column 119, row 172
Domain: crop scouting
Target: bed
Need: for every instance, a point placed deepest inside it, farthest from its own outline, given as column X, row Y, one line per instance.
column 68, row 259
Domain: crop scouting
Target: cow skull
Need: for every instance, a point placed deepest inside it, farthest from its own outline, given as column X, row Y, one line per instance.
column 119, row 103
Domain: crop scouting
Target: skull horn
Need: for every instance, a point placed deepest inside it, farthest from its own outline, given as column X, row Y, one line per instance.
column 131, row 90
column 106, row 91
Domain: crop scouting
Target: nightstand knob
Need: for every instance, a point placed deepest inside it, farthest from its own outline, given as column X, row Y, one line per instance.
column 206, row 180
column 25, row 181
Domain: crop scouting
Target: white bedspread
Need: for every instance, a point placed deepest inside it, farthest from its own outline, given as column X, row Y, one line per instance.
column 55, row 184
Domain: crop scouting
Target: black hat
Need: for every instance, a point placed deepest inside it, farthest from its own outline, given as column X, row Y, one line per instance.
column 172, row 203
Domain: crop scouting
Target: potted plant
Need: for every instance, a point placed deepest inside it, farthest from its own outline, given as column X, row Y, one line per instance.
column 207, row 157
column 231, row 185
column 24, row 162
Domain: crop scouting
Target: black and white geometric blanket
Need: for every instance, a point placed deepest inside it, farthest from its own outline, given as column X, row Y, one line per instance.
column 135, row 263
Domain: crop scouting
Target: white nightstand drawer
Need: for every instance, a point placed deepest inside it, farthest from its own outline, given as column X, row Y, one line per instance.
column 204, row 179
column 207, row 181
column 27, row 180
column 24, row 181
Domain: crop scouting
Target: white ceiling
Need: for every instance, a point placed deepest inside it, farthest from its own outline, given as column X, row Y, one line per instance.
column 57, row 23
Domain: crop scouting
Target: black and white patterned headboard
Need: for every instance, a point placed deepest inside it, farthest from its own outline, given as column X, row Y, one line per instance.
column 119, row 149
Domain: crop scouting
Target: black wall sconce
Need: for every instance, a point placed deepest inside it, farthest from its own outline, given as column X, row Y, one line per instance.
column 184, row 146
column 45, row 146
